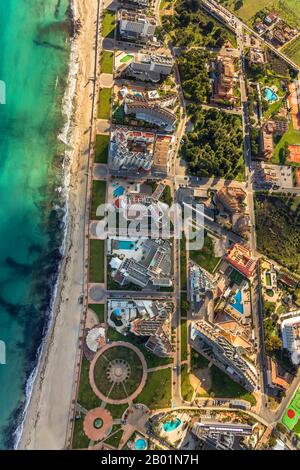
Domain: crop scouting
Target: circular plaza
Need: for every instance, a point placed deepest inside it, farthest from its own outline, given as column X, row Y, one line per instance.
column 97, row 424
column 118, row 373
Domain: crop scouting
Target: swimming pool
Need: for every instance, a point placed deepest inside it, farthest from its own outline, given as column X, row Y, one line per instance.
column 119, row 191
column 270, row 95
column 237, row 302
column 140, row 444
column 170, row 426
column 125, row 245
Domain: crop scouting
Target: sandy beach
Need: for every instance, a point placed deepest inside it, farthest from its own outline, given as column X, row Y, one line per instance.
column 46, row 423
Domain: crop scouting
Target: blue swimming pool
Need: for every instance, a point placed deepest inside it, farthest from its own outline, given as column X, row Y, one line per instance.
column 125, row 245
column 270, row 95
column 237, row 303
column 118, row 312
column 171, row 425
column 119, row 191
column 140, row 444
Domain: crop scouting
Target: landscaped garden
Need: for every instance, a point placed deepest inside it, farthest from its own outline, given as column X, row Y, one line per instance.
column 118, row 372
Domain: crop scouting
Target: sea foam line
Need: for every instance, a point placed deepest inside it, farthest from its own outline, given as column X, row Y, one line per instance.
column 65, row 136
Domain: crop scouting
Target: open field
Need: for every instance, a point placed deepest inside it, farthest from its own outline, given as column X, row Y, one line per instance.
column 206, row 256
column 275, row 214
column 248, row 9
column 292, row 50
column 289, row 10
column 96, row 261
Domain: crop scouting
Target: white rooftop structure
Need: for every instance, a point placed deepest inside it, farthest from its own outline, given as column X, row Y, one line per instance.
column 290, row 329
column 93, row 337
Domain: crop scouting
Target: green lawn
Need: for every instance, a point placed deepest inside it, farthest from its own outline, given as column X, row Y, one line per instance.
column 151, row 359
column 86, row 396
column 291, row 137
column 224, row 387
column 115, row 436
column 248, row 9
column 108, row 24
column 186, row 388
column 99, row 310
column 157, row 391
column 101, row 148
column 105, row 99
column 107, row 62
column 80, row 440
column 183, row 262
column 198, row 361
column 206, row 256
column 96, row 273
column 116, row 410
column 183, row 339
column 294, row 406
column 98, row 198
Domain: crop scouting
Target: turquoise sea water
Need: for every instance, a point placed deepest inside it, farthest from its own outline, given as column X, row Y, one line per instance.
column 34, row 52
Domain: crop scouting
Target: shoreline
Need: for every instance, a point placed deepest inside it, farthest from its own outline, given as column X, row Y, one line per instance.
column 46, row 415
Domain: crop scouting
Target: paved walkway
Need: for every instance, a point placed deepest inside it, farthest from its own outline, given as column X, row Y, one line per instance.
column 106, row 80
column 154, row 369
column 97, row 293
column 103, row 126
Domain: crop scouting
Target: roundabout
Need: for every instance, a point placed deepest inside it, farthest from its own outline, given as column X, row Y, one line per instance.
column 118, row 373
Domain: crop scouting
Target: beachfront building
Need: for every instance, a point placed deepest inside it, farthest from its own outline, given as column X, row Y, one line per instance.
column 143, row 207
column 136, row 26
column 150, row 67
column 131, row 150
column 141, row 317
column 141, row 262
column 136, row 153
column 290, row 330
column 213, row 342
column 139, row 4
column 151, row 113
